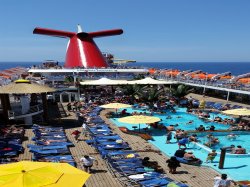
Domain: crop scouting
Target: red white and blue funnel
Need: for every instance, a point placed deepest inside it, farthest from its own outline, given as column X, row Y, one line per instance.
column 81, row 50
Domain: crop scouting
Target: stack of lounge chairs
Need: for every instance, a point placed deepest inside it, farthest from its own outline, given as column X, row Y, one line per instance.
column 51, row 145
column 220, row 106
column 10, row 143
column 122, row 161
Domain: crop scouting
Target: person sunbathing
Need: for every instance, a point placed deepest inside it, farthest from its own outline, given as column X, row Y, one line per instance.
column 152, row 164
column 189, row 156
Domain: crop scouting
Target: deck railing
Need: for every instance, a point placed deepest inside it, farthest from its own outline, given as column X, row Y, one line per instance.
column 218, row 84
column 15, row 114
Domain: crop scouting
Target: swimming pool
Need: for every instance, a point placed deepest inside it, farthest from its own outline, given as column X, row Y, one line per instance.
column 236, row 166
column 181, row 118
column 242, row 138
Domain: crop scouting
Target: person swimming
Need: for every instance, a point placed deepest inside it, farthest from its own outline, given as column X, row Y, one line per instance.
column 240, row 150
column 189, row 122
column 212, row 141
column 231, row 136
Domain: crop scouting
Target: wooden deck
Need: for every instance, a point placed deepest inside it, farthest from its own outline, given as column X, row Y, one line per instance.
column 213, row 99
column 26, row 155
column 100, row 177
column 192, row 175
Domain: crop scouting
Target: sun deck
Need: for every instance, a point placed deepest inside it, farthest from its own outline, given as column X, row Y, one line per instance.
column 191, row 175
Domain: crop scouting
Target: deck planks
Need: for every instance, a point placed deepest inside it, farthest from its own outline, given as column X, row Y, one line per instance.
column 26, row 155
column 101, row 177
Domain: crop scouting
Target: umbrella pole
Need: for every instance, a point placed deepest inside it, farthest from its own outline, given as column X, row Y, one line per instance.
column 139, row 127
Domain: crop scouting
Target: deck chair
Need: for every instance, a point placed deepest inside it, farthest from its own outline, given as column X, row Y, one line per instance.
column 154, row 182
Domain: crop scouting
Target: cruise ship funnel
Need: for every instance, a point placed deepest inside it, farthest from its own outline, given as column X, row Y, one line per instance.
column 82, row 51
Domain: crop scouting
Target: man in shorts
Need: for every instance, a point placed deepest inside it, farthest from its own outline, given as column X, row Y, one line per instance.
column 76, row 133
column 88, row 162
column 84, row 129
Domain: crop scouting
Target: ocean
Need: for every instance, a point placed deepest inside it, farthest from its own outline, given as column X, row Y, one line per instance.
column 236, row 68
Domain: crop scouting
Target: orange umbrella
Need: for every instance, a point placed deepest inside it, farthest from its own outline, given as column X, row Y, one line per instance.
column 198, row 75
column 244, row 80
column 152, row 71
column 173, row 72
column 226, row 77
column 209, row 76
column 5, row 76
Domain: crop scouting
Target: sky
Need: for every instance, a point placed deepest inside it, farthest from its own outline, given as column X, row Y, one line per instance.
column 154, row 31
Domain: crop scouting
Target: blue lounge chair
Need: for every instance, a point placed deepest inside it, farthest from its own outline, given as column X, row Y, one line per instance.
column 197, row 162
column 236, row 106
column 50, row 151
column 48, row 147
column 218, row 106
column 57, row 158
column 154, row 182
column 48, row 133
column 113, row 146
column 40, row 142
column 9, row 153
column 6, row 147
column 209, row 104
column 146, row 176
column 110, row 137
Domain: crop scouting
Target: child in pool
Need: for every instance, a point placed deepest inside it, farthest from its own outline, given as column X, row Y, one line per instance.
column 211, row 156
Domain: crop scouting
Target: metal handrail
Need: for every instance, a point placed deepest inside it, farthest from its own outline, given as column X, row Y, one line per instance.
column 222, row 84
column 33, row 109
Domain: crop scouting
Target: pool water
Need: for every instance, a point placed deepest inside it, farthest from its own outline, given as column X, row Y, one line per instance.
column 242, row 140
column 181, row 118
column 237, row 166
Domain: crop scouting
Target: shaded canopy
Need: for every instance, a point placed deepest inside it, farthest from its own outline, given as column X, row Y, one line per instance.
column 137, row 119
column 104, row 81
column 148, row 80
column 24, row 87
column 238, row 112
column 116, row 105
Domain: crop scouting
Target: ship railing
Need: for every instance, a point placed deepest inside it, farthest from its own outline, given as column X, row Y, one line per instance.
column 219, row 84
column 36, row 109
